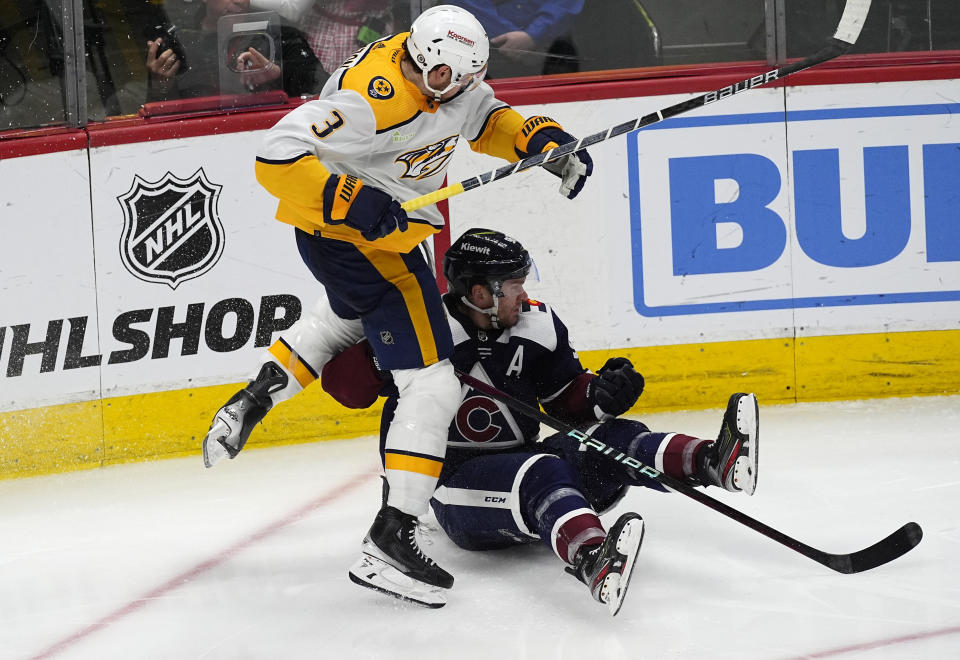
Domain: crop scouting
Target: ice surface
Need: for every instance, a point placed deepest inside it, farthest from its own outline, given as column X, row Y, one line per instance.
column 249, row 559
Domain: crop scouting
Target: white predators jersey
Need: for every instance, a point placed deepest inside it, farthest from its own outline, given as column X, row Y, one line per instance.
column 371, row 122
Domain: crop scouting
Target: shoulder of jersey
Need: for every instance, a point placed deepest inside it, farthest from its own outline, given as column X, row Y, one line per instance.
column 460, row 335
column 536, row 324
column 375, row 75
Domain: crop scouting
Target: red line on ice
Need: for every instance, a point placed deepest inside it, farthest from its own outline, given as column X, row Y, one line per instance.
column 866, row 646
column 203, row 567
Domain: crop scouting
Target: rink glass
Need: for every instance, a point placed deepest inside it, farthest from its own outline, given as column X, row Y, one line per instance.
column 42, row 44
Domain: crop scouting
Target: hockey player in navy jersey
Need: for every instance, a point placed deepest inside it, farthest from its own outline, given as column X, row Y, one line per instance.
column 501, row 487
column 382, row 131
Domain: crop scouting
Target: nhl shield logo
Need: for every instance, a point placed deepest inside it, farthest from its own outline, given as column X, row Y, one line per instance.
column 171, row 232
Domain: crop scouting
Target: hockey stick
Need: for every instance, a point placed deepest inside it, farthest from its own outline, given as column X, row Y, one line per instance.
column 881, row 552
column 851, row 22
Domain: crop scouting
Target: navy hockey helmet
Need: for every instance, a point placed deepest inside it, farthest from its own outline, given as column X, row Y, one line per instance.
column 485, row 256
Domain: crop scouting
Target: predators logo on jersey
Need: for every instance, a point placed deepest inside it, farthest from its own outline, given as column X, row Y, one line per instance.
column 428, row 160
column 380, row 88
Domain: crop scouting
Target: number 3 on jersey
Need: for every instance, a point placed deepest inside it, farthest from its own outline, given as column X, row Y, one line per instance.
column 332, row 124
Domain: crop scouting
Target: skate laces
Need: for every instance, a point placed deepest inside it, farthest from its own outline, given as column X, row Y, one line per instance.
column 412, row 539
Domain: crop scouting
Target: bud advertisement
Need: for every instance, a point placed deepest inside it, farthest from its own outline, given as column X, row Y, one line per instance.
column 779, row 212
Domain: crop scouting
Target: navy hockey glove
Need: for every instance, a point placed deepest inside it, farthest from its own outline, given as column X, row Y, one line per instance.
column 541, row 134
column 615, row 389
column 369, row 210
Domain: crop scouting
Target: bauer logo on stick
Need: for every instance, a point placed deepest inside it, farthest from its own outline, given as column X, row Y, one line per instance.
column 730, row 90
column 171, row 232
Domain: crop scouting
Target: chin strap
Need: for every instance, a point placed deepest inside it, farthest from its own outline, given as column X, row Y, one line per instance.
column 490, row 311
column 437, row 95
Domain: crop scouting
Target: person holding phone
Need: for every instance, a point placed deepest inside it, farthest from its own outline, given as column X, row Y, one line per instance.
column 183, row 62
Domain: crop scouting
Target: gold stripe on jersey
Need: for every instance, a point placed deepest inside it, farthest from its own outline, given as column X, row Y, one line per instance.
column 427, row 466
column 393, row 269
column 500, row 134
column 398, row 241
column 299, row 183
column 403, row 102
column 293, row 363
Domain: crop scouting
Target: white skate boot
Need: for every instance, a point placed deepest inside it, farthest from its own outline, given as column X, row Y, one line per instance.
column 731, row 461
column 606, row 569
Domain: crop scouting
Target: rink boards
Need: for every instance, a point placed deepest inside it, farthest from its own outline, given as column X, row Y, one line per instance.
column 802, row 254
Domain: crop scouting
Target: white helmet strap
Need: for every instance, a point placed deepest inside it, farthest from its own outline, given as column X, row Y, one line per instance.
column 451, row 36
column 453, row 84
column 490, row 311
column 437, row 94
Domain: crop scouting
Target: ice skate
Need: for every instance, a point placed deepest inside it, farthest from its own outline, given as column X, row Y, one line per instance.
column 393, row 563
column 731, row 461
column 606, row 569
column 233, row 423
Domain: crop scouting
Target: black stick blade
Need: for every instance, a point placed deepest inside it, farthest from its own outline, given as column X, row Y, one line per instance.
column 897, row 544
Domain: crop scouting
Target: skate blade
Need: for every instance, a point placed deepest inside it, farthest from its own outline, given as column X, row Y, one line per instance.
column 213, row 449
column 380, row 576
column 748, row 423
column 745, row 475
column 628, row 544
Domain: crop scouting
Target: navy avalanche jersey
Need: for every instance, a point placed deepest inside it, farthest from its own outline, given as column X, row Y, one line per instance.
column 532, row 361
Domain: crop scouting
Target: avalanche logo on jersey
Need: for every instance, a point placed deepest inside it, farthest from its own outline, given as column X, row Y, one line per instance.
column 171, row 231
column 380, row 88
column 429, row 160
column 483, row 423
column 476, row 419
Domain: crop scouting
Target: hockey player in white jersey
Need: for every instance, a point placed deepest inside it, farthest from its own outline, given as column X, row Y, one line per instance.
column 382, row 130
column 500, row 486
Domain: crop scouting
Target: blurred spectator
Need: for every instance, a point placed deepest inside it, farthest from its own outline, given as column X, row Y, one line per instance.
column 891, row 26
column 183, row 62
column 335, row 28
column 521, row 33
